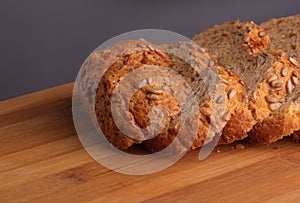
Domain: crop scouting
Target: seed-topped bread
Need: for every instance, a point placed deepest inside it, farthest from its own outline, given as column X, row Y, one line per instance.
column 281, row 123
column 284, row 35
column 125, row 57
column 118, row 60
column 243, row 48
column 234, row 118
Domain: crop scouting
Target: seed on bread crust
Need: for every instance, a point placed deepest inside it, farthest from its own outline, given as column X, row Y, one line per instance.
column 284, row 71
column 275, row 106
column 295, row 80
column 289, row 87
column 232, row 92
column 276, row 89
column 152, row 96
column 295, row 73
column 224, row 81
column 294, row 61
column 150, row 48
column 154, row 90
column 262, row 33
column 272, row 78
column 201, row 50
column 220, row 99
column 276, row 83
column 270, row 99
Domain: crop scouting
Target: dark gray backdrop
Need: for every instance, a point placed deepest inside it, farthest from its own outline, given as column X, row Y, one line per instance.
column 44, row 42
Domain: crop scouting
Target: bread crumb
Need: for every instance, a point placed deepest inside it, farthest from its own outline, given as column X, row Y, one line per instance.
column 239, row 146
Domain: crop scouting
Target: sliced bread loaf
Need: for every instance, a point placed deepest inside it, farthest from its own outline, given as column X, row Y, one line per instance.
column 284, row 35
column 126, row 57
column 243, row 48
column 235, row 118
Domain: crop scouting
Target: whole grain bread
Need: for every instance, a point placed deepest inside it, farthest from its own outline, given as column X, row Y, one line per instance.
column 243, row 48
column 234, row 119
column 125, row 57
column 98, row 90
column 122, row 58
column 284, row 35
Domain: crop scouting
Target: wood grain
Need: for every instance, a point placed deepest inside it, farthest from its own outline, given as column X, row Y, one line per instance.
column 42, row 160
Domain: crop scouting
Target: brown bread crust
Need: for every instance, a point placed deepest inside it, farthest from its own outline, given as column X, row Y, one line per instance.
column 140, row 105
column 285, row 35
column 133, row 55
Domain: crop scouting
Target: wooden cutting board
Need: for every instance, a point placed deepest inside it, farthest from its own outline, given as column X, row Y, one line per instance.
column 42, row 160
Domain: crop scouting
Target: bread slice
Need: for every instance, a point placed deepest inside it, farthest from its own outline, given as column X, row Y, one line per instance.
column 284, row 35
column 281, row 123
column 233, row 96
column 124, row 57
column 112, row 64
column 243, row 48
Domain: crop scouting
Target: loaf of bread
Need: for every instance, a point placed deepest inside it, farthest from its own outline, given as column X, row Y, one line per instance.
column 255, row 91
column 285, row 36
column 237, row 117
column 124, row 57
column 244, row 48
column 113, row 64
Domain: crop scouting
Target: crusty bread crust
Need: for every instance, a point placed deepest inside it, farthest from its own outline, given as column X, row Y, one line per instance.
column 243, row 48
column 140, row 105
column 261, row 86
column 285, row 36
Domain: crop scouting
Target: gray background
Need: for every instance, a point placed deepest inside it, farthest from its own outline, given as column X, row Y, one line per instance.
column 44, row 42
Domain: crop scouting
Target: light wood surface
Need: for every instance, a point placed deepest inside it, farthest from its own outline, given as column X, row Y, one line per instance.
column 42, row 160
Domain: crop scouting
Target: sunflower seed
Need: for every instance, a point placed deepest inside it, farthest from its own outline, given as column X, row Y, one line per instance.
column 150, row 47
column 256, row 95
column 154, row 90
column 284, row 71
column 276, row 83
column 295, row 80
column 271, row 99
column 152, row 96
column 289, row 87
column 163, row 101
column 232, row 92
column 294, row 61
column 276, row 89
column 220, row 99
column 225, row 81
column 295, row 73
column 201, row 50
column 242, row 82
column 262, row 33
column 275, row 106
column 272, row 78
